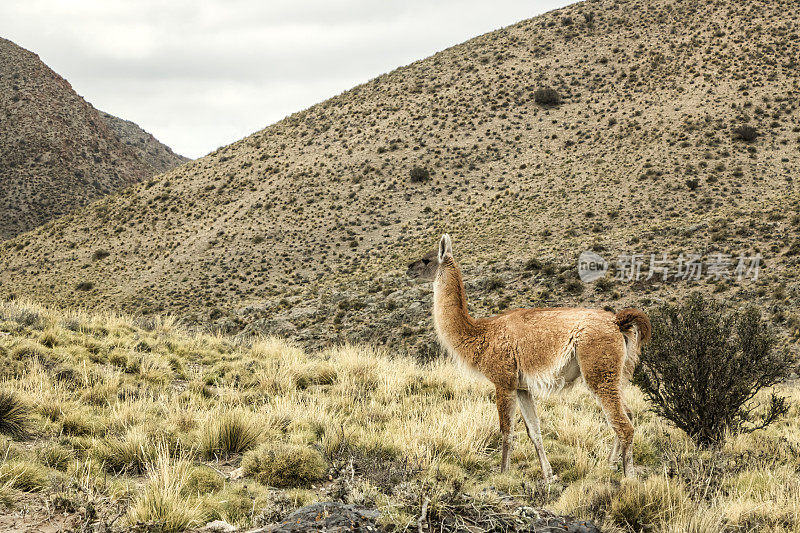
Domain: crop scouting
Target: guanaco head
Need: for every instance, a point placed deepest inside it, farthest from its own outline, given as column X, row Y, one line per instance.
column 425, row 268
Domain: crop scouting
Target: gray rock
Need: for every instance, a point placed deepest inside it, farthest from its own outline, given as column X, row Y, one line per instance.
column 330, row 517
column 217, row 526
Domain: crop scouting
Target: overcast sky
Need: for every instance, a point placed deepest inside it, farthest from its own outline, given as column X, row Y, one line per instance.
column 199, row 75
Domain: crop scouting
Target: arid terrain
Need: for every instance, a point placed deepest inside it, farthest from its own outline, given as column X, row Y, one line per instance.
column 306, row 227
column 57, row 152
column 137, row 423
column 249, row 333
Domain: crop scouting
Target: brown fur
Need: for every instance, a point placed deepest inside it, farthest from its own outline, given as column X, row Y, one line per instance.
column 525, row 349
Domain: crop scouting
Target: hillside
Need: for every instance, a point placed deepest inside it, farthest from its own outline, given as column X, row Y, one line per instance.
column 113, row 424
column 306, row 227
column 56, row 152
column 146, row 147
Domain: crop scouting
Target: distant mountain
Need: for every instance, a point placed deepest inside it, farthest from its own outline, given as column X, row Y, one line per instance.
column 627, row 127
column 56, row 151
column 144, row 145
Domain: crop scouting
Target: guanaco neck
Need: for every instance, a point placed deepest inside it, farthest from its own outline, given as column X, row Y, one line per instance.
column 455, row 328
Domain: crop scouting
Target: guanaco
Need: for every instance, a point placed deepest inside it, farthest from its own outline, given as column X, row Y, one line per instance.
column 523, row 351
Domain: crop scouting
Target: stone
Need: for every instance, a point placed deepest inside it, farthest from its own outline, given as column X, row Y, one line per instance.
column 328, row 517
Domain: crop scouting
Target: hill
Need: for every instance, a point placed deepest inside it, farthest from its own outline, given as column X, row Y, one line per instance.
column 118, row 424
column 56, row 152
column 626, row 127
column 146, row 147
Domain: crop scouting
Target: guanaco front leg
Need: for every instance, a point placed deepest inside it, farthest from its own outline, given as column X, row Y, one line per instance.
column 506, row 409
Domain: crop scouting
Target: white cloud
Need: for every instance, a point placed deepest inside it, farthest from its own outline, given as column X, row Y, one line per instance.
column 202, row 74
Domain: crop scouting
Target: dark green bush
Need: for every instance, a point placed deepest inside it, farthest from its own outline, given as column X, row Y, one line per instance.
column 547, row 96
column 746, row 133
column 419, row 174
column 100, row 254
column 705, row 364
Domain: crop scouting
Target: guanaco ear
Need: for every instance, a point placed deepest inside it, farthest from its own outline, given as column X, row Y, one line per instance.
column 445, row 247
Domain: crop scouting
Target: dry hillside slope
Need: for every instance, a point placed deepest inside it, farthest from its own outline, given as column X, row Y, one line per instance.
column 305, row 228
column 56, row 152
column 145, row 146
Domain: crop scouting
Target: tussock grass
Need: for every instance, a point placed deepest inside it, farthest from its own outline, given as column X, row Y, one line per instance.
column 229, row 432
column 162, row 505
column 24, row 475
column 389, row 431
column 14, row 414
column 284, row 464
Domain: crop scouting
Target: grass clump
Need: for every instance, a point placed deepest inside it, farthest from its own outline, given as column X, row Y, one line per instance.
column 284, row 465
column 130, row 454
column 229, row 433
column 202, row 480
column 639, row 506
column 14, row 415
column 745, row 133
column 55, row 455
column 23, row 475
column 163, row 506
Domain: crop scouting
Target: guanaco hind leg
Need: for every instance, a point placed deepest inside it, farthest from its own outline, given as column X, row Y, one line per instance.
column 527, row 406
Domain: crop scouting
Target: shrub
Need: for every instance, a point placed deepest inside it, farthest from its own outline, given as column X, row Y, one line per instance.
column 284, row 465
column 419, row 174
column 100, row 254
column 547, row 96
column 495, row 283
column 705, row 365
column 84, row 286
column 746, row 133
column 532, row 264
column 14, row 414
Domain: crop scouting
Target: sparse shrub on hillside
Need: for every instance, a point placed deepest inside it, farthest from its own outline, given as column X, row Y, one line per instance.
column 495, row 283
column 705, row 365
column 100, row 254
column 547, row 96
column 532, row 264
column 745, row 133
column 280, row 464
column 84, row 286
column 14, row 414
column 419, row 174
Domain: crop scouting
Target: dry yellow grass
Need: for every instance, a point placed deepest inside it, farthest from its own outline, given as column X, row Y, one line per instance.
column 134, row 436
